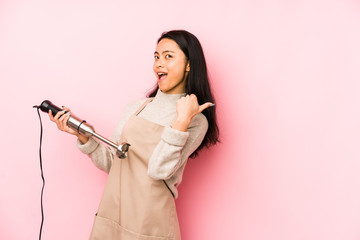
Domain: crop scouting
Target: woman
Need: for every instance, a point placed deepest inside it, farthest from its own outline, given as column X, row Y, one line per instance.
column 164, row 130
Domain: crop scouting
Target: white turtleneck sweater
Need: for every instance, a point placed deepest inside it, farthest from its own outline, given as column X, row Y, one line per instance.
column 170, row 155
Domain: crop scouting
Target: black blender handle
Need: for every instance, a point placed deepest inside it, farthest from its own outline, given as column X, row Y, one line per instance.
column 46, row 105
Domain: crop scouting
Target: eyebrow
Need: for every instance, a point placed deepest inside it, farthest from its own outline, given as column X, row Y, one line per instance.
column 166, row 51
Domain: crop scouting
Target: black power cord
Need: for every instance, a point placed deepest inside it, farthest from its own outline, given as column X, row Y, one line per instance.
column 42, row 174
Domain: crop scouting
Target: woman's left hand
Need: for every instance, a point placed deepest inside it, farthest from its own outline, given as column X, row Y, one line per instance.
column 187, row 107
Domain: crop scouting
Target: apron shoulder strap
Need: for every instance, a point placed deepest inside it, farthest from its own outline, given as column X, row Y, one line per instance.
column 143, row 106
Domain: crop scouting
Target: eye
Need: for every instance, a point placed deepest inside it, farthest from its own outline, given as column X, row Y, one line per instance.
column 168, row 56
column 156, row 57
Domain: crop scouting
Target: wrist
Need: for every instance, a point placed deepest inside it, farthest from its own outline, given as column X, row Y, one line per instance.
column 181, row 123
column 82, row 138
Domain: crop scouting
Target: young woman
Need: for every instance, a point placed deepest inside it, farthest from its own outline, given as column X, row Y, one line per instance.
column 164, row 130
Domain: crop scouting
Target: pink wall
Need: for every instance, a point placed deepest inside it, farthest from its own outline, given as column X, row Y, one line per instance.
column 287, row 81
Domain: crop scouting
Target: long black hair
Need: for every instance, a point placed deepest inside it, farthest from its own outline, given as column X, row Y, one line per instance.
column 197, row 81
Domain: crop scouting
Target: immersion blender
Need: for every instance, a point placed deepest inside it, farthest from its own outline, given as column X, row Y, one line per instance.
column 82, row 127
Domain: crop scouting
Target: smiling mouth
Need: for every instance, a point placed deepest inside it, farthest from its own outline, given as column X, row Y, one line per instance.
column 161, row 76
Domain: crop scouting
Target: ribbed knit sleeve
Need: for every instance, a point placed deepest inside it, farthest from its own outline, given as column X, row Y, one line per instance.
column 175, row 147
column 100, row 155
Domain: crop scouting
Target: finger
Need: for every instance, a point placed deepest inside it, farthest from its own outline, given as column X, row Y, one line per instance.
column 62, row 117
column 58, row 114
column 63, row 120
column 66, row 126
column 65, row 108
column 204, row 106
column 51, row 116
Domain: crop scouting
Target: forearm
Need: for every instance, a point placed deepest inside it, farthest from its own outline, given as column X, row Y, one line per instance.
column 175, row 147
column 181, row 124
column 83, row 139
column 168, row 154
column 100, row 155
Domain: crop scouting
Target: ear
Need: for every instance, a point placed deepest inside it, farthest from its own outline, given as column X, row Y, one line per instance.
column 187, row 69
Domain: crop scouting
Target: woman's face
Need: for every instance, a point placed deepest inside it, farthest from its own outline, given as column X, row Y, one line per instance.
column 171, row 67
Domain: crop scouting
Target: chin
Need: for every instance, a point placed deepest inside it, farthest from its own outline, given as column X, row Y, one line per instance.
column 162, row 88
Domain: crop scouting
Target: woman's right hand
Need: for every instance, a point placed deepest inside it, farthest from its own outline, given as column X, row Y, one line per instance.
column 61, row 119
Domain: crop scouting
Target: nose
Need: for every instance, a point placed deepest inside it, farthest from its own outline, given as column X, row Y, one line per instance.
column 159, row 63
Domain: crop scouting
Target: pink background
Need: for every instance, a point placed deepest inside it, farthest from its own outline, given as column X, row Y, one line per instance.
column 286, row 78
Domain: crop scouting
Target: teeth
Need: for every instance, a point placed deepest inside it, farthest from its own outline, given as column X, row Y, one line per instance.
column 161, row 74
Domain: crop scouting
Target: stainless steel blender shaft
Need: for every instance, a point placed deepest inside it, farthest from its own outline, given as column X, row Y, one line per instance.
column 87, row 130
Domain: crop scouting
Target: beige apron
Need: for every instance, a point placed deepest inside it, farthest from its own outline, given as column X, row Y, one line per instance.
column 135, row 206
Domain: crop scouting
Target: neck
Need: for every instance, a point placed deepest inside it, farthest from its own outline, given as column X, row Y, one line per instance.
column 168, row 97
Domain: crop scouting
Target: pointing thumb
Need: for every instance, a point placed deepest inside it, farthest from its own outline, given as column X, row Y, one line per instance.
column 205, row 105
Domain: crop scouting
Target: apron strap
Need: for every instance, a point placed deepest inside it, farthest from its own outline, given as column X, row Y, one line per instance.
column 143, row 106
